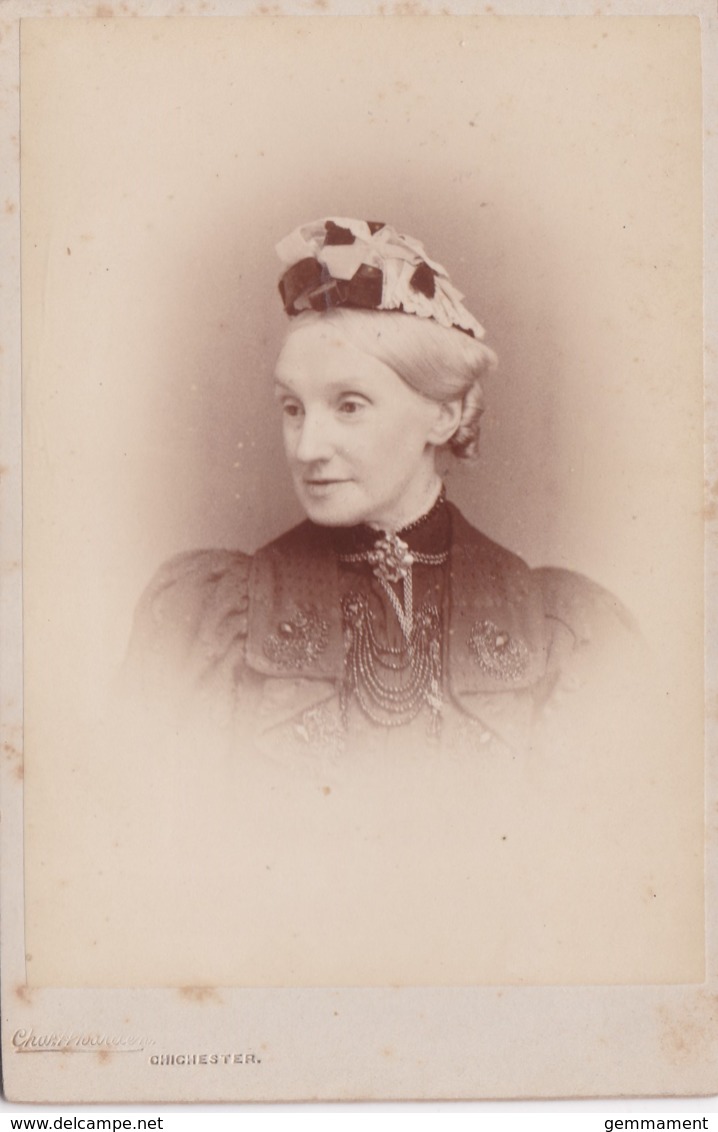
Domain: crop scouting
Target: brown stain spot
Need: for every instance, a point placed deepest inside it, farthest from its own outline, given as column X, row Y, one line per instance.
column 103, row 1056
column 320, row 5
column 104, row 12
column 410, row 8
column 388, row 1052
column 22, row 993
column 326, row 791
column 689, row 1033
column 10, row 207
column 199, row 994
column 14, row 756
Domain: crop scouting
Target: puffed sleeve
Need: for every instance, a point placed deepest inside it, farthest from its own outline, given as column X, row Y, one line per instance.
column 189, row 634
column 589, row 626
column 599, row 667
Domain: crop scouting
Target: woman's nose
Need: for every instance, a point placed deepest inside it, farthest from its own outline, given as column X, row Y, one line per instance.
column 314, row 438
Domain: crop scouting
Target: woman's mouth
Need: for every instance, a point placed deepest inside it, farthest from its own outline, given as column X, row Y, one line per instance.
column 320, row 487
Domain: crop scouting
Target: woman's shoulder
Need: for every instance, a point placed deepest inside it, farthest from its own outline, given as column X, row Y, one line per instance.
column 595, row 642
column 201, row 587
column 194, row 578
column 196, row 597
column 566, row 596
column 581, row 605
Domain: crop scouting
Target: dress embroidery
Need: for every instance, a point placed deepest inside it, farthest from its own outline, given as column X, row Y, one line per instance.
column 497, row 653
column 299, row 641
column 321, row 730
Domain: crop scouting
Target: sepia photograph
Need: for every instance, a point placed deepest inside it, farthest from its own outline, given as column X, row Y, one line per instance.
column 363, row 558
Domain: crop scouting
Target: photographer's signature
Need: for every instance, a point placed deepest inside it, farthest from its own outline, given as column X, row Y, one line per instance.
column 73, row 1041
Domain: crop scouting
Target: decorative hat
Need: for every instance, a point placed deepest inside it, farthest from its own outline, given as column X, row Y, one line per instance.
column 337, row 262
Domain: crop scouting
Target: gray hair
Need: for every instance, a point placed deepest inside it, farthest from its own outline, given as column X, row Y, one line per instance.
column 441, row 363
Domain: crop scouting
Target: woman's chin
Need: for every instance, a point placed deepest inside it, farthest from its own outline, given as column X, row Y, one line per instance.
column 332, row 516
column 330, row 506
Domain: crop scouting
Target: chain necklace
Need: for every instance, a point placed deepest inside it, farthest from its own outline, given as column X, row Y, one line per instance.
column 392, row 685
column 392, row 561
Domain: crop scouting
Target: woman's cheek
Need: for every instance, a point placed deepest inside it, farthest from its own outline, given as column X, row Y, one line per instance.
column 290, row 432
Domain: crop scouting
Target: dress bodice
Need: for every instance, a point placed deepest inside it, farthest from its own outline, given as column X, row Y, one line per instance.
column 263, row 643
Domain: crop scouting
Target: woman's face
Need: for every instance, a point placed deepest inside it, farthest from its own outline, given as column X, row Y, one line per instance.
column 359, row 441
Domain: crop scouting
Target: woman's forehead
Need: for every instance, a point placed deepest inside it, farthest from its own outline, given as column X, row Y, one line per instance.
column 320, row 352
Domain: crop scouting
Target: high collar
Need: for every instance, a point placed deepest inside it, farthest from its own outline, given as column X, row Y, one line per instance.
column 429, row 534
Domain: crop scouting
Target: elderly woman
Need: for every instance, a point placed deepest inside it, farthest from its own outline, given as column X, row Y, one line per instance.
column 383, row 748
column 385, row 611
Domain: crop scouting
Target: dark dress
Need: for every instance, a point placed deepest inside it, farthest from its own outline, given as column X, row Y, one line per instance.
column 270, row 646
column 298, row 831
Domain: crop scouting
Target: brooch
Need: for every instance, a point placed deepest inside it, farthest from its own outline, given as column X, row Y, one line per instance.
column 299, row 641
column 391, row 558
column 497, row 653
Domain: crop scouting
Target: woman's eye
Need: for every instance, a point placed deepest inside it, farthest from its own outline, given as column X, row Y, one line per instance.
column 291, row 409
column 351, row 405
